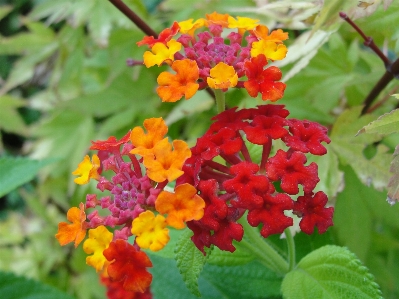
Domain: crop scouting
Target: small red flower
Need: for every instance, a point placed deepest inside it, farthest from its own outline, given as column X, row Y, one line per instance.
column 217, row 226
column 230, row 118
column 271, row 215
column 263, row 81
column 313, row 212
column 110, row 144
column 263, row 128
column 115, row 290
column 291, row 170
column 163, row 37
column 270, row 110
column 228, row 231
column 225, row 142
column 306, row 137
column 128, row 266
column 247, row 185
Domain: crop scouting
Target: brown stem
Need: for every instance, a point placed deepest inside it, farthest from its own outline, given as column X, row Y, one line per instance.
column 392, row 69
column 368, row 40
column 393, row 72
column 382, row 101
column 122, row 7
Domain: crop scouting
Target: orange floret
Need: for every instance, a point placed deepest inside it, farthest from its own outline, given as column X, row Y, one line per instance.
column 182, row 206
column 277, row 36
column 184, row 83
column 144, row 143
column 217, row 19
column 74, row 232
column 166, row 164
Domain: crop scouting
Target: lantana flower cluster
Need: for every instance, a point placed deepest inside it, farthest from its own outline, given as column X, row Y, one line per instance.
column 202, row 56
column 232, row 182
column 134, row 172
column 219, row 182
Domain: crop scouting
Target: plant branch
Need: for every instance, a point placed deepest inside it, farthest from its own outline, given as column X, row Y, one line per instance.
column 123, row 8
column 381, row 84
column 392, row 69
column 368, row 40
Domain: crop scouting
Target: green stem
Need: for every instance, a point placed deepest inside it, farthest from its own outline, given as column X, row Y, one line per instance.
column 291, row 248
column 220, row 100
column 266, row 254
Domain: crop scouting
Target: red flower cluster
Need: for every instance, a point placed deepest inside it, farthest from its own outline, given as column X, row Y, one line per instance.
column 239, row 183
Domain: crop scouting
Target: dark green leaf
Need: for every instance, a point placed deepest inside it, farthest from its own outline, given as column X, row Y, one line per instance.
column 15, row 172
column 190, row 261
column 14, row 287
column 330, row 272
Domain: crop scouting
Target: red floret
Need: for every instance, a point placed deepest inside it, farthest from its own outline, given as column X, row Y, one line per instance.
column 313, row 212
column 291, row 170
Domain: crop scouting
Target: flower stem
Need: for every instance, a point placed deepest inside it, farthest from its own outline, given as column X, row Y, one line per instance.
column 220, row 100
column 291, row 249
column 122, row 7
column 266, row 254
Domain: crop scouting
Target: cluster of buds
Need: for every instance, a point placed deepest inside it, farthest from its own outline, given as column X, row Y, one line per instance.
column 134, row 171
column 218, row 181
column 211, row 60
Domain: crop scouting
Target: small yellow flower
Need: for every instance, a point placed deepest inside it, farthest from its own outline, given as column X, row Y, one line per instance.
column 242, row 23
column 270, row 49
column 150, row 231
column 87, row 170
column 161, row 53
column 189, row 26
column 222, row 76
column 98, row 241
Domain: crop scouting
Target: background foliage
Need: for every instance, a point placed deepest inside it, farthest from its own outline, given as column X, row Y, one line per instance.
column 64, row 82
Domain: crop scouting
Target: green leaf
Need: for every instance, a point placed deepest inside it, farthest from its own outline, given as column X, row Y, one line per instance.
column 226, row 258
column 330, row 272
column 350, row 211
column 10, row 119
column 329, row 13
column 15, row 172
column 393, row 184
column 251, row 280
column 331, row 178
column 167, row 282
column 5, row 10
column 384, row 125
column 13, row 287
column 349, row 148
column 190, row 261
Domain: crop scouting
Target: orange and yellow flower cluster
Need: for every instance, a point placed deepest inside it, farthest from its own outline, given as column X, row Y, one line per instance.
column 210, row 60
column 142, row 163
